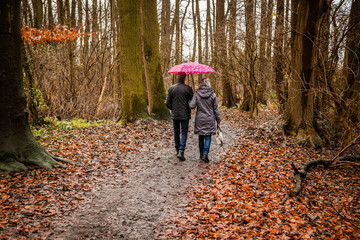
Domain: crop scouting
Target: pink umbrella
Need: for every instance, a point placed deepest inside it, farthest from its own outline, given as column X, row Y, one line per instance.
column 191, row 68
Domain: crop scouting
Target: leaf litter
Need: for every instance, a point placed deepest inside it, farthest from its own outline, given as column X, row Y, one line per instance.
column 131, row 186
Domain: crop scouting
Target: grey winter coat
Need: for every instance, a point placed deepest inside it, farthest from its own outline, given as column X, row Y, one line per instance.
column 177, row 100
column 207, row 111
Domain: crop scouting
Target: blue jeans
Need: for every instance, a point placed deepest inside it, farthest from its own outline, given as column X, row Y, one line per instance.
column 204, row 144
column 184, row 124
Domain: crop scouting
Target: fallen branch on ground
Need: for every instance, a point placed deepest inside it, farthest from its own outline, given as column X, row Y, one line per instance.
column 336, row 161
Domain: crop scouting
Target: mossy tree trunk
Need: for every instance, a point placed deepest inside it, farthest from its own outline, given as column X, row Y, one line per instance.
column 18, row 147
column 133, row 103
column 300, row 106
column 153, row 73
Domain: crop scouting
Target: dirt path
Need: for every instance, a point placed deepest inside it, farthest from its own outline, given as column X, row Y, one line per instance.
column 137, row 204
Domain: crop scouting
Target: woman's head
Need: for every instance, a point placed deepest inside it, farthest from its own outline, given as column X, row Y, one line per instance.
column 205, row 82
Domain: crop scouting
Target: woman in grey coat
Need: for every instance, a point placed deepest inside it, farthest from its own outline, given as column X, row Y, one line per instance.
column 207, row 113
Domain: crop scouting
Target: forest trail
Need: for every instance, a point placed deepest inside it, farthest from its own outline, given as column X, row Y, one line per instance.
column 132, row 186
column 137, row 204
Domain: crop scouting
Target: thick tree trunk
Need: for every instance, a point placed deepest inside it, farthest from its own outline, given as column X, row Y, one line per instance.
column 133, row 103
column 153, row 73
column 300, row 107
column 18, row 147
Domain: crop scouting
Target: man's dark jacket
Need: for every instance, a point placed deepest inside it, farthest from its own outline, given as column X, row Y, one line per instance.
column 177, row 100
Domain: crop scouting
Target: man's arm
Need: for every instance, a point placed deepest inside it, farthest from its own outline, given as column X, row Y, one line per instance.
column 168, row 101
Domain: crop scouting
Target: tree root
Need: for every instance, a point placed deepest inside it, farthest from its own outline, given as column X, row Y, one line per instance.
column 301, row 173
column 31, row 155
column 336, row 161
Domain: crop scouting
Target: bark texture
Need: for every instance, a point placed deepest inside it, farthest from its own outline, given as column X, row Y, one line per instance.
column 18, row 147
column 300, row 107
column 133, row 103
column 153, row 73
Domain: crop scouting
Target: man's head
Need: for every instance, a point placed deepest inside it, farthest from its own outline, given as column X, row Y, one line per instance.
column 181, row 76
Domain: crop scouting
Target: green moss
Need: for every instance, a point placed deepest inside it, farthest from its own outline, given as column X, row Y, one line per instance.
column 45, row 131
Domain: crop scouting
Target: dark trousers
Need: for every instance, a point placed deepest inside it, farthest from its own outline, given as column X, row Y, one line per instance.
column 183, row 125
column 204, row 144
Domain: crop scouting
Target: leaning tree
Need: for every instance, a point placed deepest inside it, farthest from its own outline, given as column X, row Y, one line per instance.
column 18, row 147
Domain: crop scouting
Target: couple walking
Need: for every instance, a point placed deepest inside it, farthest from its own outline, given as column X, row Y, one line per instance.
column 180, row 100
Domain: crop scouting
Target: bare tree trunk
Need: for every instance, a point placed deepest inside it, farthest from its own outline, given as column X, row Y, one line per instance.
column 165, row 44
column 61, row 12
column 221, row 55
column 177, row 32
column 269, row 34
column 250, row 55
column 199, row 33
column 279, row 55
column 87, row 28
column 50, row 14
column 195, row 31
column 207, row 32
column 38, row 13
column 262, row 58
column 350, row 106
column 116, row 79
column 300, row 107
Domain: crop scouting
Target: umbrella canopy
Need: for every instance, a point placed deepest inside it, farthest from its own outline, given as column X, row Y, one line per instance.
column 191, row 68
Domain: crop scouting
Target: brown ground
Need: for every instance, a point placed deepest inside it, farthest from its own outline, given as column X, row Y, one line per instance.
column 137, row 204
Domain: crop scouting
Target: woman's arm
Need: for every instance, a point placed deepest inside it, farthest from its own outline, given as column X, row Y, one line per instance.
column 216, row 110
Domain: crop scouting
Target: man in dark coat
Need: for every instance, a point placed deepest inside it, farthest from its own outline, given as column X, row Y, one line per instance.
column 177, row 100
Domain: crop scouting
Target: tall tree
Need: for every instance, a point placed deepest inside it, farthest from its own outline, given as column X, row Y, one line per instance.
column 133, row 103
column 18, row 147
column 208, row 32
column 177, row 31
column 221, row 54
column 153, row 73
column 262, row 57
column 38, row 13
column 198, row 20
column 195, row 28
column 278, row 59
column 50, row 14
column 300, row 107
column 165, row 43
column 232, row 39
column 348, row 110
column 250, row 87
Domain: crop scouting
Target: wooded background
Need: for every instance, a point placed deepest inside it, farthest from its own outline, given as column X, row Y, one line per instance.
column 300, row 56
